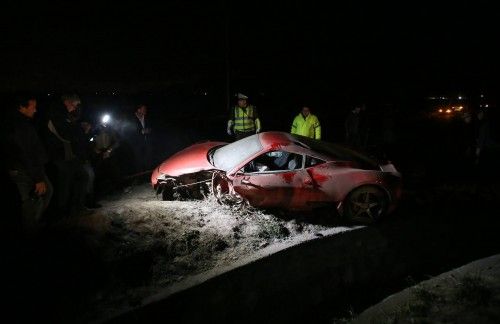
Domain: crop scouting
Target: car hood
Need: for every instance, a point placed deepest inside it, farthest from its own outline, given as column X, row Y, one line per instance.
column 190, row 160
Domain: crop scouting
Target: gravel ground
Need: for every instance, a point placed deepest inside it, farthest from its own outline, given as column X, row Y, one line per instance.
column 143, row 244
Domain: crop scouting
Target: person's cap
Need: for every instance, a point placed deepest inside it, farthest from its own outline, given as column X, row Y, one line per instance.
column 241, row 96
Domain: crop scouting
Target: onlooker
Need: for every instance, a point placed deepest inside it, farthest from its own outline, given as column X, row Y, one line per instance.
column 468, row 139
column 244, row 119
column 89, row 165
column 351, row 124
column 26, row 158
column 140, row 139
column 104, row 143
column 67, row 147
column 306, row 124
column 483, row 138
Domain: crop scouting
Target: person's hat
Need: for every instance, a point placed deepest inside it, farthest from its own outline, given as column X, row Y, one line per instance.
column 241, row 96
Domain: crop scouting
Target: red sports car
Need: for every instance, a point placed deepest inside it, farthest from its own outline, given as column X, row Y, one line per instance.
column 277, row 169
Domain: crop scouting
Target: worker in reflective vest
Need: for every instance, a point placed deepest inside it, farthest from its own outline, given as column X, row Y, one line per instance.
column 244, row 120
column 306, row 124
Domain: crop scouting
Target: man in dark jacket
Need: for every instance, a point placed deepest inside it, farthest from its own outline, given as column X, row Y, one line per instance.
column 68, row 147
column 351, row 125
column 138, row 136
column 26, row 157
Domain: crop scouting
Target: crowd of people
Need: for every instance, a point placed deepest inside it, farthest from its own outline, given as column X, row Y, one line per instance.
column 62, row 167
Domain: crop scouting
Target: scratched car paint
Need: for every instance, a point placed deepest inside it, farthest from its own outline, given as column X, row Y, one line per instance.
column 280, row 170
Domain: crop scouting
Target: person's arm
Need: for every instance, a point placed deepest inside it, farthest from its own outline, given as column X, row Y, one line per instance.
column 230, row 121
column 257, row 125
column 294, row 126
column 256, row 120
column 317, row 129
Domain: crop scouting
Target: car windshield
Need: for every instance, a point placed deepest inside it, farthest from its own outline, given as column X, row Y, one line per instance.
column 229, row 156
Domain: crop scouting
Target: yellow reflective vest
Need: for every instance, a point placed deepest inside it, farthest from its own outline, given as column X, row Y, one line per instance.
column 308, row 126
column 246, row 119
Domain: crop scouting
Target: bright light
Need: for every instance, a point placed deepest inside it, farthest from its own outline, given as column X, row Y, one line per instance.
column 448, row 111
column 459, row 97
column 486, row 106
column 105, row 119
column 440, row 110
column 91, row 139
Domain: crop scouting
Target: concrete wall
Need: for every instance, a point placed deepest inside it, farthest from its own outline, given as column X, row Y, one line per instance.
column 284, row 286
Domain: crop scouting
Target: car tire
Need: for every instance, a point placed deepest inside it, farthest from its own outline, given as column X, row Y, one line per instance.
column 167, row 191
column 365, row 205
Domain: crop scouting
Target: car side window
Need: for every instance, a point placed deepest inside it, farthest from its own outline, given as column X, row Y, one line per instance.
column 311, row 161
column 274, row 161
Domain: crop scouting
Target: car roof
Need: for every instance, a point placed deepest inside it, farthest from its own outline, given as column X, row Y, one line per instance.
column 324, row 150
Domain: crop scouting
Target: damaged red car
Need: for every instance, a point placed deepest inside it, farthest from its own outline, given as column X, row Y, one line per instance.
column 281, row 170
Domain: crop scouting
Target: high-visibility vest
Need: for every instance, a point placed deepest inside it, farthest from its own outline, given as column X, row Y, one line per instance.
column 308, row 126
column 244, row 119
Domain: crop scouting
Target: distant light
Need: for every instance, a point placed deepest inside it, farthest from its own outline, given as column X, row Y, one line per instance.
column 459, row 97
column 105, row 119
column 48, row 94
column 486, row 106
column 448, row 111
column 482, row 96
column 91, row 139
column 440, row 110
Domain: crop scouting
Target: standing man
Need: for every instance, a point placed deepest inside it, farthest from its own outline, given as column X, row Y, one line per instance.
column 67, row 147
column 243, row 120
column 26, row 158
column 140, row 139
column 306, row 124
column 351, row 125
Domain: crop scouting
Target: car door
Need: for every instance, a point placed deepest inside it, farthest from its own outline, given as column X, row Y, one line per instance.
column 274, row 179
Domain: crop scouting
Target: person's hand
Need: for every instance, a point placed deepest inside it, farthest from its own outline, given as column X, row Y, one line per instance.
column 40, row 188
column 106, row 154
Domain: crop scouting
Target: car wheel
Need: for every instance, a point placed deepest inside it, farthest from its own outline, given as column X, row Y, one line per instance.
column 167, row 191
column 365, row 205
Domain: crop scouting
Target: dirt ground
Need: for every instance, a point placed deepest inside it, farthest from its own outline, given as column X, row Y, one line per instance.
column 137, row 244
column 86, row 269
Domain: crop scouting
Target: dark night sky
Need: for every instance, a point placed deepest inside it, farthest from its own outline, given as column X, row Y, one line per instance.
column 132, row 45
